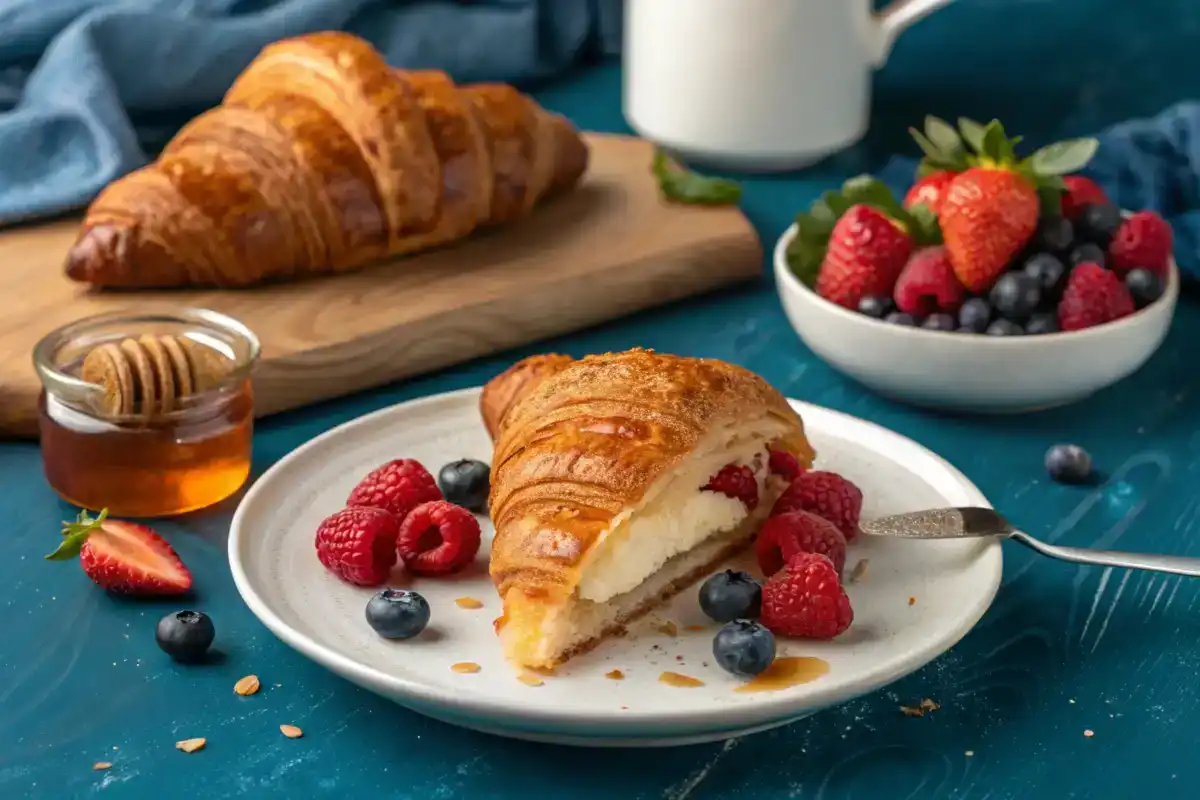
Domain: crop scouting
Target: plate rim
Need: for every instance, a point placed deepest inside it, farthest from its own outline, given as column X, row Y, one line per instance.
column 648, row 724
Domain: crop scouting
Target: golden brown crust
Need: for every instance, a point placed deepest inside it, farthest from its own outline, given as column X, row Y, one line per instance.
column 506, row 389
column 591, row 439
column 322, row 158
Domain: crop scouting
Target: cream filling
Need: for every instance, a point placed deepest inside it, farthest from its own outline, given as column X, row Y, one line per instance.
column 676, row 519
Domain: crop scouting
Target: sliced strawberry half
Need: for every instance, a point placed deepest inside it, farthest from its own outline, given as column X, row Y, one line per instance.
column 123, row 557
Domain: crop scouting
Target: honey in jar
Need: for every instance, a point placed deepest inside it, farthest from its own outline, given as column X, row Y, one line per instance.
column 147, row 414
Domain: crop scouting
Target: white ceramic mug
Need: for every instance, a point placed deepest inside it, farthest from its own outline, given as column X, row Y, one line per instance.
column 756, row 84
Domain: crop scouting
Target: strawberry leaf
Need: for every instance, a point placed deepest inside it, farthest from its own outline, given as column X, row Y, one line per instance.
column 931, row 150
column 874, row 192
column 925, row 168
column 944, row 137
column 69, row 547
column 681, row 185
column 993, row 142
column 925, row 229
column 972, row 133
column 1063, row 158
column 1050, row 189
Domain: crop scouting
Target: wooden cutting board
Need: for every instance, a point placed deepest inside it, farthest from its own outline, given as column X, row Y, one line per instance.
column 607, row 249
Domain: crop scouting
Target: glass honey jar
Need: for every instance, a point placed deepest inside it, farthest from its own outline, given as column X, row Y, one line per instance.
column 147, row 413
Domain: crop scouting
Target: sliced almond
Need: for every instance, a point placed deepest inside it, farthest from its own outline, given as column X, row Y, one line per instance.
column 99, row 765
column 246, row 686
column 191, row 745
column 291, row 731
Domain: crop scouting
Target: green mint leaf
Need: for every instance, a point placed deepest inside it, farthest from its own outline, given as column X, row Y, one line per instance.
column 944, row 137
column 684, row 186
column 972, row 133
column 1063, row 158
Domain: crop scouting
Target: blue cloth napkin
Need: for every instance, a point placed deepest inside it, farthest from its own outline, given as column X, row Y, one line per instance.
column 1142, row 164
column 88, row 87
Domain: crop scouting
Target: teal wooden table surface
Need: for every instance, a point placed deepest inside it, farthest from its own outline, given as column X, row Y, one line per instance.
column 1079, row 682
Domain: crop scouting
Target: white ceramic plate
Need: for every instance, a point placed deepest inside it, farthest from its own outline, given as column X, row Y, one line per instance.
column 276, row 570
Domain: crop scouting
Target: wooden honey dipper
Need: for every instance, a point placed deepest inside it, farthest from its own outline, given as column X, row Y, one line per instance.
column 150, row 375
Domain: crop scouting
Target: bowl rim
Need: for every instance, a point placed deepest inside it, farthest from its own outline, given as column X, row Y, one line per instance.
column 784, row 274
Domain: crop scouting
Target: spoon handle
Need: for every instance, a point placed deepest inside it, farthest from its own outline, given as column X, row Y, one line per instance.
column 1176, row 565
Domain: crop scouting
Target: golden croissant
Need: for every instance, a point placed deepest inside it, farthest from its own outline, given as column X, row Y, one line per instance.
column 323, row 159
column 597, row 489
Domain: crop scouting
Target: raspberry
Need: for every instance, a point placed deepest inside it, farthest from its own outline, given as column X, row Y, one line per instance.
column 784, row 464
column 786, row 535
column 928, row 284
column 1080, row 192
column 1093, row 296
column 737, row 482
column 398, row 486
column 358, row 545
column 827, row 495
column 1143, row 241
column 806, row 600
column 438, row 538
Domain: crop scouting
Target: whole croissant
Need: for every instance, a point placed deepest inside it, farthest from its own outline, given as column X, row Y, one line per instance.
column 592, row 459
column 323, row 159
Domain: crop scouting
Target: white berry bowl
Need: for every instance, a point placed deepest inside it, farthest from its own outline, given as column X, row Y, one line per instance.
column 974, row 373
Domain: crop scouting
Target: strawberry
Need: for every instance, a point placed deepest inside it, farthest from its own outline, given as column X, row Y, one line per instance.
column 1080, row 192
column 991, row 209
column 930, row 190
column 866, row 252
column 123, row 557
column 987, row 217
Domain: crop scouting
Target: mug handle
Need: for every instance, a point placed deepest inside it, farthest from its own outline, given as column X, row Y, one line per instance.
column 892, row 21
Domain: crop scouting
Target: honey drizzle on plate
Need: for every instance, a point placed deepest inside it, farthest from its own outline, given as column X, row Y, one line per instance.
column 785, row 672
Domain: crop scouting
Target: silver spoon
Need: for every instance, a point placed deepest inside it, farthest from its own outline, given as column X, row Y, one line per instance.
column 959, row 523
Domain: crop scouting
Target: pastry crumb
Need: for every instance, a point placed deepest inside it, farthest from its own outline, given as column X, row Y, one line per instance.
column 191, row 745
column 530, row 680
column 465, row 667
column 291, row 731
column 1089, row 733
column 667, row 628
column 912, row 601
column 615, row 675
column 921, row 709
column 859, row 572
column 101, row 765
column 468, row 602
column 969, row 753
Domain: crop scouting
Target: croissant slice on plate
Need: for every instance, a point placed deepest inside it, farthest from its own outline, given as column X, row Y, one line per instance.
column 323, row 159
column 597, row 491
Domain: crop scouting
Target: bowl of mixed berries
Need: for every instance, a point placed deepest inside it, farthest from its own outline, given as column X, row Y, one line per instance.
column 998, row 283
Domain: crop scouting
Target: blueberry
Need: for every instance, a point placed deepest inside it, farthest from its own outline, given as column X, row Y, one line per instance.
column 185, row 635
column 731, row 595
column 975, row 314
column 397, row 613
column 1042, row 323
column 744, row 648
column 900, row 318
column 465, row 483
column 939, row 322
column 1087, row 253
column 875, row 306
column 1054, row 234
column 1016, row 296
column 1069, row 463
column 1004, row 327
column 1047, row 270
column 1099, row 222
column 1145, row 286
